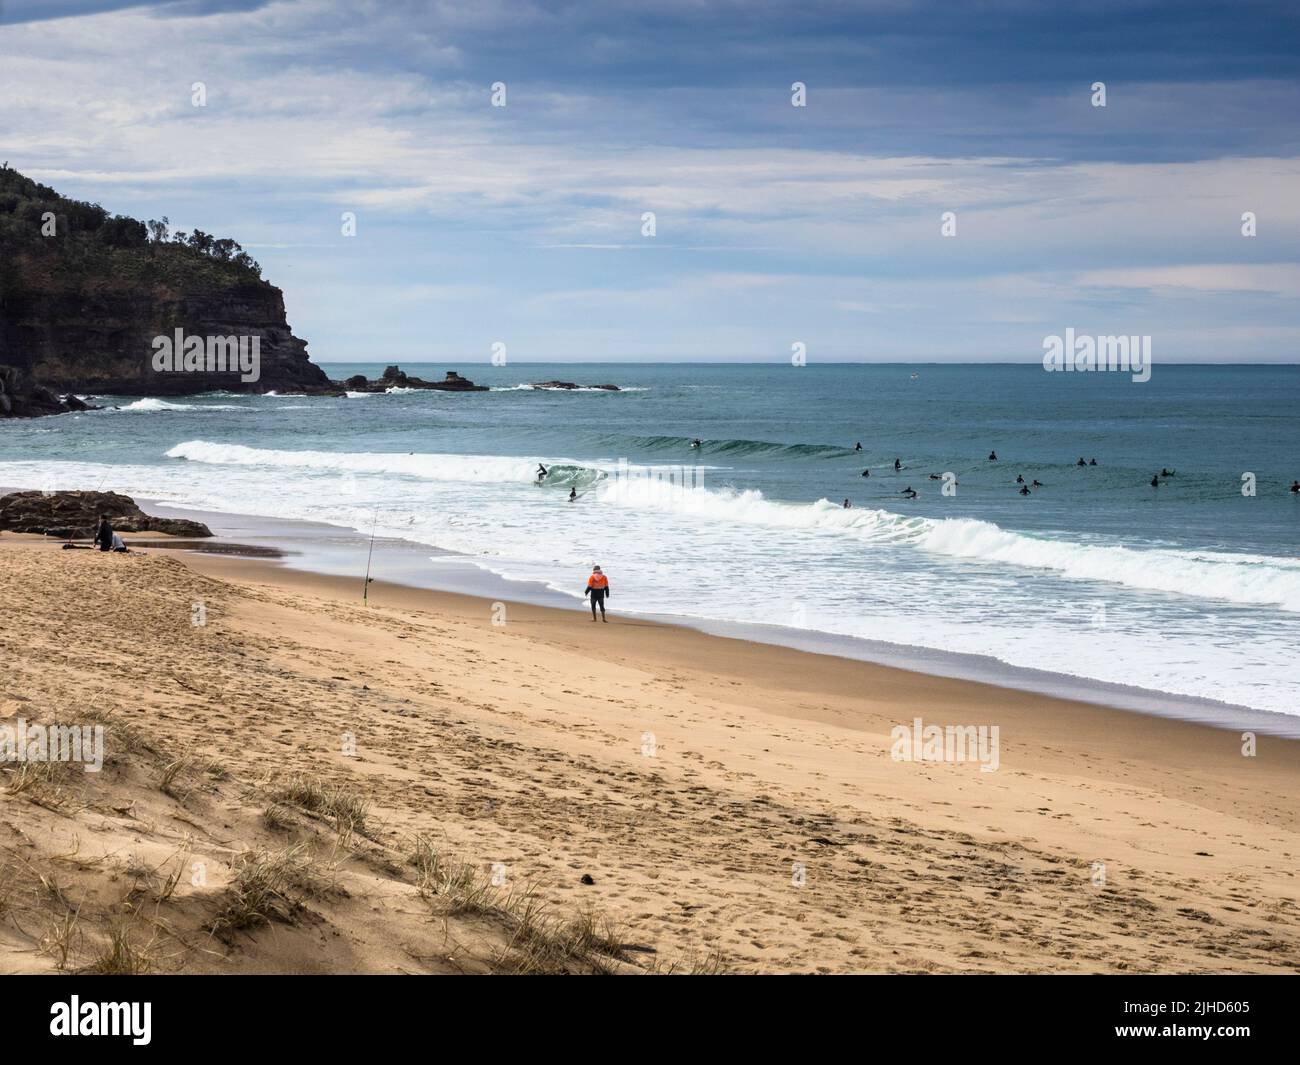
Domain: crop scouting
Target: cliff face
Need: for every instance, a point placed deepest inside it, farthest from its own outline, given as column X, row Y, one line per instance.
column 84, row 295
column 99, row 338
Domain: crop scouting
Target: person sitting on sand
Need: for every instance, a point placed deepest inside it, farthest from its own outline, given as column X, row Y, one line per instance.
column 598, row 590
column 119, row 544
column 104, row 534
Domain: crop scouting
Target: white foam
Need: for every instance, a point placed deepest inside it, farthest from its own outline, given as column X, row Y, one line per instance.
column 1247, row 579
column 959, row 585
column 155, row 405
column 422, row 465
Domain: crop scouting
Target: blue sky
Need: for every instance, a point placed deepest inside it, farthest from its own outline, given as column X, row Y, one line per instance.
column 775, row 224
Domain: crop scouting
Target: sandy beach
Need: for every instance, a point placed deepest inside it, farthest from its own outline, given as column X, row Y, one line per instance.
column 297, row 781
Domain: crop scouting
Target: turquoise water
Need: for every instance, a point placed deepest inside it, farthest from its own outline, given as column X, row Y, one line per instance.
column 1191, row 588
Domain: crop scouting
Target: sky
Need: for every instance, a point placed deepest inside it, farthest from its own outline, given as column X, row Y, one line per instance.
column 820, row 225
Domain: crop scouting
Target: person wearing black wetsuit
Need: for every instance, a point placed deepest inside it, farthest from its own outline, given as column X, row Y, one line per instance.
column 598, row 590
column 104, row 534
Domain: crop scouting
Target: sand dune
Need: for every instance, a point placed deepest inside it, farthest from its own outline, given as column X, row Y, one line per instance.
column 646, row 798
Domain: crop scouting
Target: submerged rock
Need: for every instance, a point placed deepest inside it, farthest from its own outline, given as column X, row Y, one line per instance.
column 569, row 385
column 70, row 515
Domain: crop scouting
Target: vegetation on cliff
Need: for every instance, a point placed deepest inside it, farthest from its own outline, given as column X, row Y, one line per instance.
column 90, row 244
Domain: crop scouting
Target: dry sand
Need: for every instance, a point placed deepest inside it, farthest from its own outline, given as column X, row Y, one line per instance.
column 689, row 777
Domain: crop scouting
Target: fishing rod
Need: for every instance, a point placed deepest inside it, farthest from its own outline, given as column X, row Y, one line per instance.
column 365, row 593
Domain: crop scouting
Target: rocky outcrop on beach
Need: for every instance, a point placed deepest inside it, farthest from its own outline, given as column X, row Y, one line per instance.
column 84, row 295
column 394, row 377
column 20, row 398
column 73, row 515
column 570, row 386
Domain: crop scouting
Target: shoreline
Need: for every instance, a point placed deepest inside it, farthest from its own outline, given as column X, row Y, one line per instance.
column 332, row 550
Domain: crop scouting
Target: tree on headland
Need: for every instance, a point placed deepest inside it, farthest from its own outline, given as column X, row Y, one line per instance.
column 85, row 238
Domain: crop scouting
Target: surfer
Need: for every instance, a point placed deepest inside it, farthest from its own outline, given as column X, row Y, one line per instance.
column 1024, row 489
column 573, row 494
column 1155, row 482
column 847, row 504
column 857, row 446
column 1295, row 487
column 696, row 442
column 1037, row 483
column 866, row 473
column 910, row 492
column 993, row 456
column 897, row 465
column 1020, row 478
column 1081, row 462
column 541, row 473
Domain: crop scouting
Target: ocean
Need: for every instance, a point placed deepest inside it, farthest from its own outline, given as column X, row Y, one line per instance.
column 1189, row 590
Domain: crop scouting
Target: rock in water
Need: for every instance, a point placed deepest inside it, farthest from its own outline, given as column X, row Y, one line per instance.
column 395, row 377
column 76, row 514
column 568, row 386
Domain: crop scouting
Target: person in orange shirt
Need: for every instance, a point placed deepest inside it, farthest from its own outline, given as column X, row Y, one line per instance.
column 598, row 590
